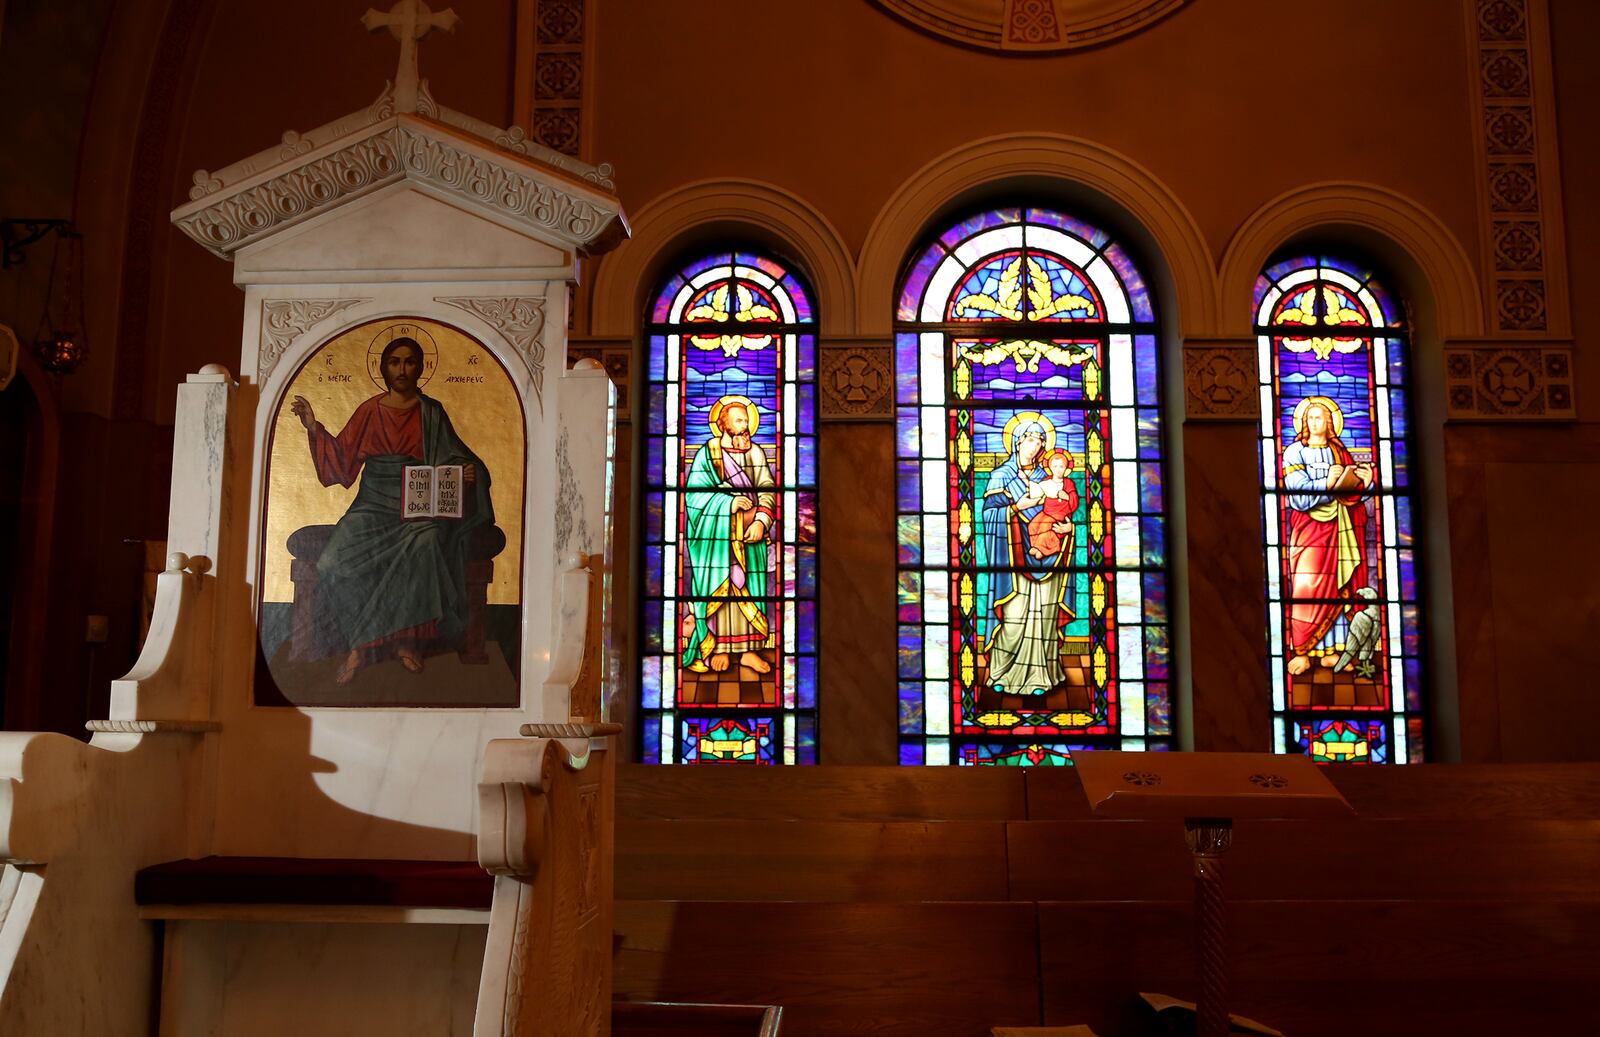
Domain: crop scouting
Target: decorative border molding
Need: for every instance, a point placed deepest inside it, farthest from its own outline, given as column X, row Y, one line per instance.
column 556, row 75
column 1521, row 206
column 1509, row 381
column 520, row 318
column 152, row 727
column 284, row 320
column 855, row 381
column 1220, row 381
column 406, row 148
column 1031, row 26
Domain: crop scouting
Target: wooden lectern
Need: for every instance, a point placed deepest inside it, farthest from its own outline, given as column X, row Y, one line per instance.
column 1206, row 791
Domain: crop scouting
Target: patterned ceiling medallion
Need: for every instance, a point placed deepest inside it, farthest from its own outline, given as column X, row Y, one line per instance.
column 1030, row 25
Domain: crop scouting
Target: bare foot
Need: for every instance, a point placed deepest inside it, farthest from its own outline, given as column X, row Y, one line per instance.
column 1299, row 664
column 1327, row 661
column 347, row 672
column 1035, row 552
column 752, row 661
column 409, row 659
column 719, row 662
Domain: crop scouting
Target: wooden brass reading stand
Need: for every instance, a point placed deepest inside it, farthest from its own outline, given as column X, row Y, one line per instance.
column 1207, row 791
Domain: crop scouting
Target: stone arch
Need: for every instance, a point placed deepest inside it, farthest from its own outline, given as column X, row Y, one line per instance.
column 1173, row 250
column 1430, row 262
column 711, row 209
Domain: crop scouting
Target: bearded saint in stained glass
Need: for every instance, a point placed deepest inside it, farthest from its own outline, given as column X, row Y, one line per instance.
column 729, row 505
column 1327, row 522
column 1022, row 591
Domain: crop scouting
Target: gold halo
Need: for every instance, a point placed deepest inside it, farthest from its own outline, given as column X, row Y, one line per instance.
column 402, row 329
column 1030, row 415
column 728, row 401
column 1332, row 408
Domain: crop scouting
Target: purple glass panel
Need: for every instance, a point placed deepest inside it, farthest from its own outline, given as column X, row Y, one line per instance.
column 651, row 750
column 806, row 681
column 974, row 224
column 911, row 719
column 1156, row 654
column 916, row 281
column 805, row 360
column 1144, row 363
column 911, row 754
column 1158, row 708
column 1133, row 282
column 805, row 623
column 1077, row 228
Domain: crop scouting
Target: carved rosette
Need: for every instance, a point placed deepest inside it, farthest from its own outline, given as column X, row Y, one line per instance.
column 1514, row 206
column 284, row 320
column 1030, row 25
column 1498, row 381
column 401, row 151
column 856, row 382
column 520, row 319
column 1219, row 382
column 558, row 75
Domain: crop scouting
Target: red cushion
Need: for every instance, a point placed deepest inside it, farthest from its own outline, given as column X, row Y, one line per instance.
column 299, row 880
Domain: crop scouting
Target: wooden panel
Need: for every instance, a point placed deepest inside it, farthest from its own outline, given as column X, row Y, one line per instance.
column 1327, row 968
column 1433, row 790
column 889, row 970
column 1383, row 859
column 819, row 793
column 811, row 860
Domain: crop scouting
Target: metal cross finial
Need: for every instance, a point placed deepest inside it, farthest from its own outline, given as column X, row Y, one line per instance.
column 408, row 21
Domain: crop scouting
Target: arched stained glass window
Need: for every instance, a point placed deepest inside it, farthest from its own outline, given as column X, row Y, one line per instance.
column 1032, row 569
column 729, row 658
column 1339, row 514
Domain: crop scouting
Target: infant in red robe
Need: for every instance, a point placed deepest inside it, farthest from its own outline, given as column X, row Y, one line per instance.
column 1060, row 501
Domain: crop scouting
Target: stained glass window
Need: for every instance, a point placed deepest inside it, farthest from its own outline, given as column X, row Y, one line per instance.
column 1339, row 514
column 729, row 626
column 1032, row 568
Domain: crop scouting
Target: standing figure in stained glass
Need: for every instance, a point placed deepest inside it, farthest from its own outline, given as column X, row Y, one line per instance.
column 1023, row 586
column 729, row 505
column 1327, row 520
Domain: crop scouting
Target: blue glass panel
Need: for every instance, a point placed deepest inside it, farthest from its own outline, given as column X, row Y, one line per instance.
column 805, row 624
column 1157, row 708
column 652, row 518
column 805, row 576
column 1413, row 679
column 650, row 682
column 911, row 719
column 1149, row 434
column 662, row 310
column 805, row 358
column 701, row 265
column 1277, row 271
column 805, row 396
column 656, row 422
column 1153, row 541
column 1077, row 228
column 1345, row 265
column 1133, row 281
column 654, row 472
column 652, row 626
column 1071, row 296
column 1150, row 497
column 1155, row 597
column 1263, row 285
column 1396, row 350
column 658, row 357
column 805, row 681
column 651, row 751
column 910, row 653
column 907, row 361
column 1156, row 654
column 911, row 754
column 908, row 486
column 1410, row 638
column 1392, row 314
column 975, row 224
column 1399, row 420
column 910, row 536
column 1402, row 520
column 652, row 571
column 1145, row 365
column 807, row 449
column 1408, row 575
column 806, row 517
column 915, row 282
column 805, row 741
column 909, row 438
column 1401, row 476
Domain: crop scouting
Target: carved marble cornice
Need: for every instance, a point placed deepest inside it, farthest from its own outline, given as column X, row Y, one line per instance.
column 322, row 170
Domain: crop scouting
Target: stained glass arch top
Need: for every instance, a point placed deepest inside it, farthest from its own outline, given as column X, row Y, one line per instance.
column 1032, row 585
column 1338, row 513
column 728, row 667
